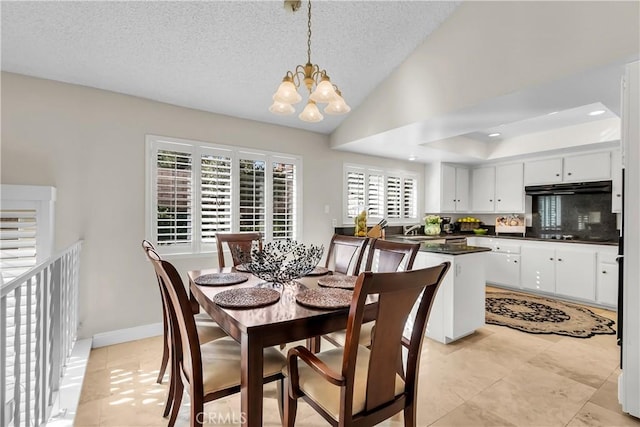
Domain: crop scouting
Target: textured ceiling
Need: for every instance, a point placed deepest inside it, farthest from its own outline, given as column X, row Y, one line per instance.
column 224, row 57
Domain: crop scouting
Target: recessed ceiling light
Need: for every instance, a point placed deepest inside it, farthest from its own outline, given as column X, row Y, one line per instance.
column 493, row 135
column 552, row 113
column 597, row 112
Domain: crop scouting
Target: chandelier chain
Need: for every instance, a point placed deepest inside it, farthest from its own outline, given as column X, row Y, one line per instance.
column 309, row 35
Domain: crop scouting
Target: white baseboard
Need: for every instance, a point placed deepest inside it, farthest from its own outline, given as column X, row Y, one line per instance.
column 126, row 335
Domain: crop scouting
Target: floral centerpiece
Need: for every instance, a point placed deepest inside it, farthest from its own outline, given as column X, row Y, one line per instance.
column 432, row 225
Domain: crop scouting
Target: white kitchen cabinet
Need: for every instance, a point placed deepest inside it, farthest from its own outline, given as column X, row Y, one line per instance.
column 587, row 167
column 498, row 189
column 459, row 306
column 575, row 276
column 509, row 195
column 538, row 269
column 616, row 181
column 607, row 278
column 483, row 183
column 503, row 269
column 547, row 171
column 454, row 189
column 575, row 168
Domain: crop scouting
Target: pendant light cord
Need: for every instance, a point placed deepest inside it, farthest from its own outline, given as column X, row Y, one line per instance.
column 309, row 35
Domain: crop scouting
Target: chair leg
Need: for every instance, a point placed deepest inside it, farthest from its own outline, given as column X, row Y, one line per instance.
column 177, row 402
column 410, row 415
column 290, row 408
column 165, row 351
column 197, row 410
column 280, row 390
column 172, row 391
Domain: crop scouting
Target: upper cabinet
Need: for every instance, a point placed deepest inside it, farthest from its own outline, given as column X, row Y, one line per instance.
column 587, row 167
column 575, row 168
column 446, row 188
column 498, row 189
column 548, row 171
column 455, row 189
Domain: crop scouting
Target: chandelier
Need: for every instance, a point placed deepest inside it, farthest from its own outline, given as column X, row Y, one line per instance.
column 317, row 82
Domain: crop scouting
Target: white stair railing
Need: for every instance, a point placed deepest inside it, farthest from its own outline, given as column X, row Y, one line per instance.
column 39, row 324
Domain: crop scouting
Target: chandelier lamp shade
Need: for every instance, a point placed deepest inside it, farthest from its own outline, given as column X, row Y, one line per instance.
column 316, row 81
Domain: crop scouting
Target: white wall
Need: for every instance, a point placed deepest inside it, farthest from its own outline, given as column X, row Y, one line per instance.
column 489, row 49
column 90, row 145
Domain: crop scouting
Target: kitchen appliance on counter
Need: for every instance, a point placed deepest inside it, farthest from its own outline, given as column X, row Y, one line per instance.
column 446, row 224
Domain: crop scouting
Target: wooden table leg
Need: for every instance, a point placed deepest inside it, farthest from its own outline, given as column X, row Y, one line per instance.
column 313, row 344
column 251, row 382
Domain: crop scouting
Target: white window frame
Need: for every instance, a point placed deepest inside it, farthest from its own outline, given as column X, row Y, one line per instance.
column 197, row 148
column 348, row 217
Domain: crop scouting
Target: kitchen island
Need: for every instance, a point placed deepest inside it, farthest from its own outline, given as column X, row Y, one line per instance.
column 459, row 307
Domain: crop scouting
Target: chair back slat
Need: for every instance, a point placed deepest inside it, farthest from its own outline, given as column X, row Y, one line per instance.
column 237, row 243
column 385, row 256
column 397, row 293
column 345, row 254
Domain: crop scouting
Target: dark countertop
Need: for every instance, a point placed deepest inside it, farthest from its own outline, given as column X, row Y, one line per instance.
column 440, row 248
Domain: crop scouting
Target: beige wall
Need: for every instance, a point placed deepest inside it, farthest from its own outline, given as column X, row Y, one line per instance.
column 90, row 145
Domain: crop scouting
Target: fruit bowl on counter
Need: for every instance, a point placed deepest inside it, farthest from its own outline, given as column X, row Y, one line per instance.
column 468, row 223
column 480, row 231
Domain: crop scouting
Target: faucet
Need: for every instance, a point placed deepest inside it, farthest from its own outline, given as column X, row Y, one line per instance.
column 409, row 229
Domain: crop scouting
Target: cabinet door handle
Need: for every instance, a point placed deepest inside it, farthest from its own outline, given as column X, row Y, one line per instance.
column 515, row 261
column 497, row 248
column 569, row 173
column 557, row 174
column 559, row 259
column 491, row 200
column 618, row 195
column 550, row 259
column 604, row 271
column 499, row 200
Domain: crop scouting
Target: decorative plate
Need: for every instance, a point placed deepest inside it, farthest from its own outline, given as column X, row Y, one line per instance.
column 246, row 297
column 328, row 298
column 341, row 282
column 221, row 279
column 241, row 267
column 318, row 271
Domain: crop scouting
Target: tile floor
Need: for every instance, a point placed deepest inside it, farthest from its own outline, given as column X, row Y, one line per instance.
column 495, row 377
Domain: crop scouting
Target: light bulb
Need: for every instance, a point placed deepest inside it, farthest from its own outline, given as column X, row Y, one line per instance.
column 287, row 92
column 311, row 113
column 324, row 91
column 337, row 106
column 281, row 108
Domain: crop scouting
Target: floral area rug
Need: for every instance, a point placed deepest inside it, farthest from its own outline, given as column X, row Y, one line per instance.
column 539, row 315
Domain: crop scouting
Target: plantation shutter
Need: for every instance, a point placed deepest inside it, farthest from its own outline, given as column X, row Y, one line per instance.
column 355, row 192
column 216, row 195
column 284, row 200
column 409, row 199
column 18, row 230
column 394, row 197
column 174, row 196
column 375, row 195
column 252, row 195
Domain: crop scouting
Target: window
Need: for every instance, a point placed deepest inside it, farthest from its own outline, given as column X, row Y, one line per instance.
column 196, row 190
column 385, row 194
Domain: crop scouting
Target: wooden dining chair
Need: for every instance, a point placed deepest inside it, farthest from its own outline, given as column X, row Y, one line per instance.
column 345, row 254
column 360, row 386
column 383, row 257
column 211, row 370
column 235, row 242
column 208, row 330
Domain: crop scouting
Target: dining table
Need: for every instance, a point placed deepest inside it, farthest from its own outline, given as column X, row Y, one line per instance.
column 281, row 322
